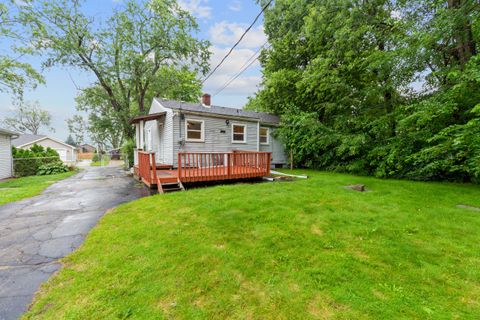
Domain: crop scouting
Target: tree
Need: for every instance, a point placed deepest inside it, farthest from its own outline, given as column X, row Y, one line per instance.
column 341, row 72
column 342, row 61
column 15, row 75
column 70, row 141
column 29, row 117
column 125, row 54
column 77, row 127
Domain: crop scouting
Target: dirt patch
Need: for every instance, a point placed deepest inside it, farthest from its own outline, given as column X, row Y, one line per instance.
column 316, row 230
column 321, row 307
column 467, row 207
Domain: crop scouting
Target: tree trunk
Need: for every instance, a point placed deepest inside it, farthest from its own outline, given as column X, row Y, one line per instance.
column 465, row 47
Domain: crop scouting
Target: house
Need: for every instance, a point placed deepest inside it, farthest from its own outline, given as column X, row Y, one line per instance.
column 6, row 161
column 180, row 142
column 86, row 148
column 174, row 126
column 114, row 154
column 67, row 153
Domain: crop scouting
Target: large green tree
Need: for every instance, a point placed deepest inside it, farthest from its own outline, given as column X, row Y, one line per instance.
column 15, row 74
column 126, row 53
column 345, row 75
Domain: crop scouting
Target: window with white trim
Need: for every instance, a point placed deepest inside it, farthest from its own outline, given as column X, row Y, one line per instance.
column 195, row 130
column 264, row 135
column 239, row 133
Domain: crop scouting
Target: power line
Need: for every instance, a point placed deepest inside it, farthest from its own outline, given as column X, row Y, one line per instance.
column 235, row 45
column 237, row 75
column 242, row 69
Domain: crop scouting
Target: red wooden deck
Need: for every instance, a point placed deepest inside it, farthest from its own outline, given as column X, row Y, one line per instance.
column 200, row 167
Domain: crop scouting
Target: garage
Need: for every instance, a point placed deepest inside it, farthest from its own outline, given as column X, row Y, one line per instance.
column 67, row 153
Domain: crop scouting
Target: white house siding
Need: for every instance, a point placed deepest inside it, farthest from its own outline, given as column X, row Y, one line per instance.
column 162, row 139
column 275, row 147
column 69, row 152
column 5, row 157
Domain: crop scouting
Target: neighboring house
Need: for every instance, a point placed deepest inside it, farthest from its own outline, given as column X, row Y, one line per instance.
column 6, row 161
column 86, row 148
column 67, row 153
column 174, row 126
column 114, row 154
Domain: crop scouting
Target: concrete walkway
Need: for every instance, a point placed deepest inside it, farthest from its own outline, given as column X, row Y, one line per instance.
column 36, row 232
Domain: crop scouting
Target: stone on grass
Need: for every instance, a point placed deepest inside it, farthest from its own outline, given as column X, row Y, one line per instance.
column 357, row 187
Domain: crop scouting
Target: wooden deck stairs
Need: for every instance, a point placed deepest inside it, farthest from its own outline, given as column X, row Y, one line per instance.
column 169, row 183
column 195, row 167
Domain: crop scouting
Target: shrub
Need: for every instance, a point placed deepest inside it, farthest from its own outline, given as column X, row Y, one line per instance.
column 128, row 149
column 95, row 157
column 28, row 162
column 52, row 168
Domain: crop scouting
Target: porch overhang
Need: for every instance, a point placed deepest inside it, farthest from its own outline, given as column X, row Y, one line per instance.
column 148, row 117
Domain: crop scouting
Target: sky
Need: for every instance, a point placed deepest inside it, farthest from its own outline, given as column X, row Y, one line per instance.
column 221, row 22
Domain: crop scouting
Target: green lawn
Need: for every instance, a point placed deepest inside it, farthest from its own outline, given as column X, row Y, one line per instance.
column 105, row 161
column 20, row 188
column 308, row 249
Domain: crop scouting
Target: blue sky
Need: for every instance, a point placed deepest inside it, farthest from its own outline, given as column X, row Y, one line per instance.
column 221, row 22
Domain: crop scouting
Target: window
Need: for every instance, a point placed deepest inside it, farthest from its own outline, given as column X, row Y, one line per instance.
column 239, row 133
column 264, row 136
column 195, row 130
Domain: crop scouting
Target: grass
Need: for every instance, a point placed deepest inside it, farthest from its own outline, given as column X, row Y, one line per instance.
column 26, row 187
column 308, row 249
column 104, row 162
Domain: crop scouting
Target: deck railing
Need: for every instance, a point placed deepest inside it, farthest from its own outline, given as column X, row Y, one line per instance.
column 146, row 170
column 214, row 166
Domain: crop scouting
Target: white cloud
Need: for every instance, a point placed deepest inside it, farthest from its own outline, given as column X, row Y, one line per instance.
column 198, row 8
column 226, row 33
column 236, row 5
column 246, row 84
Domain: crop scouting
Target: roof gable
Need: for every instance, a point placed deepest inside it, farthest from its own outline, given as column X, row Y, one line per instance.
column 27, row 139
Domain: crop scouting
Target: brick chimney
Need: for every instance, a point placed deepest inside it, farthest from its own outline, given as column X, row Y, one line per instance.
column 206, row 100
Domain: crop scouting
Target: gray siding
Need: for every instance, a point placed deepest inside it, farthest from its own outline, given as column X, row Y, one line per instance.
column 215, row 140
column 170, row 138
column 275, row 147
column 5, row 157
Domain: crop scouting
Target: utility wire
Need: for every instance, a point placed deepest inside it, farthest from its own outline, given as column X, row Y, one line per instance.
column 242, row 69
column 237, row 75
column 239, row 40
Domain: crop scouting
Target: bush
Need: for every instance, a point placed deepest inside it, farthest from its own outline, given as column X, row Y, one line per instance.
column 52, row 168
column 128, row 149
column 95, row 157
column 28, row 162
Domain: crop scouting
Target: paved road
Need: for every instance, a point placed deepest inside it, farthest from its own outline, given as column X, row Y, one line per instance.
column 36, row 232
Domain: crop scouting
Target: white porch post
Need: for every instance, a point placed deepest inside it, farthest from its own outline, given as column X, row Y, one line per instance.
column 137, row 135
column 142, row 138
column 137, row 143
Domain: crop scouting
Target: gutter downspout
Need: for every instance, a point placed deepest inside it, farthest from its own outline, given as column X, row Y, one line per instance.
column 12, row 168
column 258, row 136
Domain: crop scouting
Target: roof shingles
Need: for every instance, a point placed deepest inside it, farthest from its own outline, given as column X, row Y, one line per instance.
column 222, row 111
column 26, row 138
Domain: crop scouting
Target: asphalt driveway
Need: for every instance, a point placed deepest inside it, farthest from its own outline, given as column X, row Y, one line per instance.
column 36, row 232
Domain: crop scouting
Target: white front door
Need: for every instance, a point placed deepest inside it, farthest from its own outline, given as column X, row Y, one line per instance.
column 62, row 153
